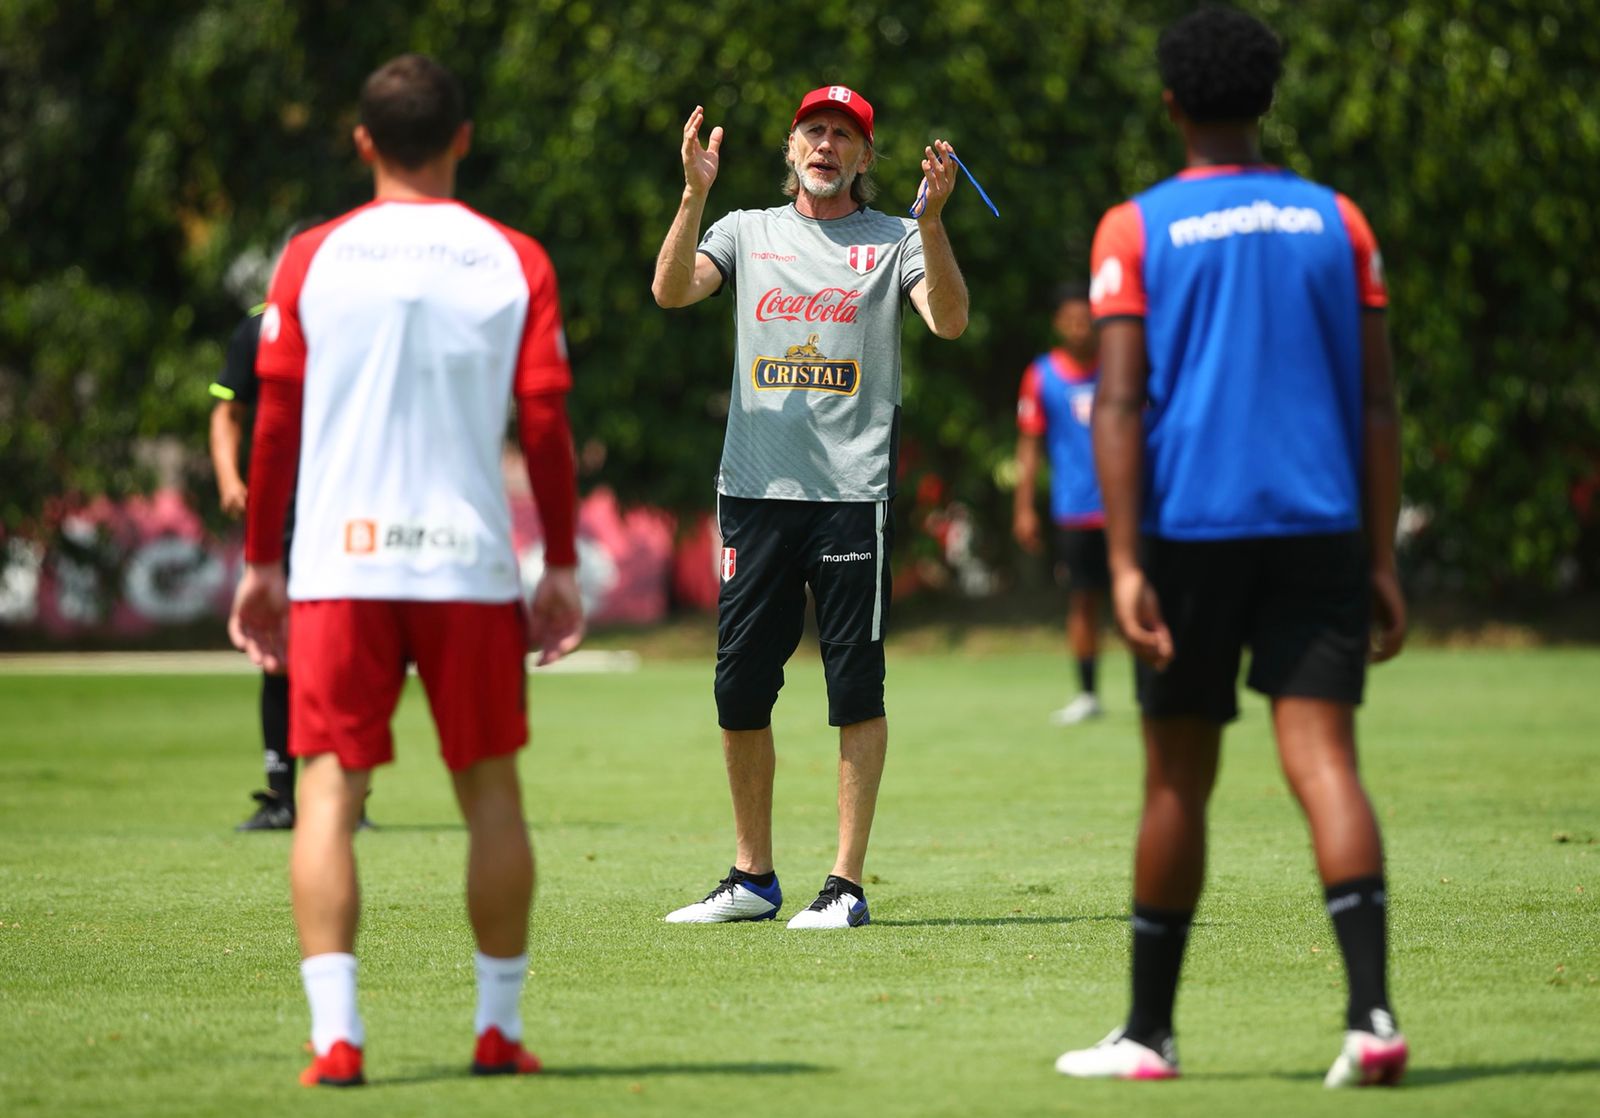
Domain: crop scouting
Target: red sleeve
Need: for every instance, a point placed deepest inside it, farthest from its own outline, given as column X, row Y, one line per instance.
column 282, row 351
column 1030, row 412
column 1373, row 289
column 275, row 459
column 542, row 357
column 1116, row 264
column 546, row 440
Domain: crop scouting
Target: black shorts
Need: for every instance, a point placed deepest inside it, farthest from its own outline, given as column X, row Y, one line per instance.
column 1301, row 603
column 1081, row 558
column 771, row 551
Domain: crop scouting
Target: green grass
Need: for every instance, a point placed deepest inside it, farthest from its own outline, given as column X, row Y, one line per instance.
column 147, row 958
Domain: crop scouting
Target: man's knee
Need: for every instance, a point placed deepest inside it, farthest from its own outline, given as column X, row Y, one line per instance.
column 855, row 681
column 747, row 687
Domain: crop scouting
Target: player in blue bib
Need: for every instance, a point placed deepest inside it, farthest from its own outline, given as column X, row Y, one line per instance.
column 1054, row 406
column 1247, row 440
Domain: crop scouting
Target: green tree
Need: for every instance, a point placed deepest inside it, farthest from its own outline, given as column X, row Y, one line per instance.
column 151, row 156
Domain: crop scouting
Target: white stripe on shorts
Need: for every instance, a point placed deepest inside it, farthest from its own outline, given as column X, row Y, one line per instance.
column 877, row 584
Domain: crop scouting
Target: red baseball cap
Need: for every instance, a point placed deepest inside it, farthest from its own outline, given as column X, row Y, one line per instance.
column 841, row 99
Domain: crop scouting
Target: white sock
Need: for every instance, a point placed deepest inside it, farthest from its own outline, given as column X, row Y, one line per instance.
column 500, row 994
column 330, row 982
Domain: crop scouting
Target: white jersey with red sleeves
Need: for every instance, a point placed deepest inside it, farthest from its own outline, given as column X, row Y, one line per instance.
column 411, row 324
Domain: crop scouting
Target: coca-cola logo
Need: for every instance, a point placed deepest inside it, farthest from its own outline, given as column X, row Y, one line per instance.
column 831, row 304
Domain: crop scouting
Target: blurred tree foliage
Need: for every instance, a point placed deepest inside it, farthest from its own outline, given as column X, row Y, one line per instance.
column 152, row 155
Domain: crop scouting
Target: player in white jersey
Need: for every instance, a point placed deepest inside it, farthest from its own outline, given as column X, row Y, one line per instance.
column 393, row 341
column 807, row 473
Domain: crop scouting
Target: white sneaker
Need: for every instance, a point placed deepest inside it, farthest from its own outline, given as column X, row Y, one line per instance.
column 833, row 908
column 1370, row 1058
column 736, row 897
column 1117, row 1057
column 1080, row 709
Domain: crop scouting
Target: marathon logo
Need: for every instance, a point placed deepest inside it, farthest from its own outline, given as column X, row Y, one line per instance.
column 1259, row 216
column 466, row 257
column 847, row 557
column 410, row 541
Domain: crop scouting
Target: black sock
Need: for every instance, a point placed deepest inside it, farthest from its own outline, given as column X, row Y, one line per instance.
column 1159, row 937
column 275, row 737
column 762, row 879
column 846, row 886
column 1359, row 909
column 1086, row 675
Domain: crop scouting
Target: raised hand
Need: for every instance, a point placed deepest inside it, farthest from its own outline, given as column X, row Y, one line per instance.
column 939, row 173
column 700, row 163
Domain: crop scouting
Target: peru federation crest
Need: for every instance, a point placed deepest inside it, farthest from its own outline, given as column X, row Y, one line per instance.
column 730, row 562
column 863, row 258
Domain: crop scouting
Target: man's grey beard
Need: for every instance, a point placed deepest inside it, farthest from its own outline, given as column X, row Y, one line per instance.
column 822, row 188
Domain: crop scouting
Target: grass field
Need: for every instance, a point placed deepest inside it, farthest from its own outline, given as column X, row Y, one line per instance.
column 147, row 959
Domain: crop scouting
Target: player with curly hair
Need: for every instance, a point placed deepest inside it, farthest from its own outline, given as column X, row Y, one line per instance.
column 1246, row 438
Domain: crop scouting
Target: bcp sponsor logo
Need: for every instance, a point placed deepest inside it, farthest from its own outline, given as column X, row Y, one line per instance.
column 360, row 537
column 402, row 540
column 831, row 304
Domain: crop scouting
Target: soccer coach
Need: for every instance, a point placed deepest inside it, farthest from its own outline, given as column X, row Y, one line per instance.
column 808, row 464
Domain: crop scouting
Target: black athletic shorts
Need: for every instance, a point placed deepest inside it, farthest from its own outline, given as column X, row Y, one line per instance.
column 1301, row 603
column 1081, row 558
column 772, row 550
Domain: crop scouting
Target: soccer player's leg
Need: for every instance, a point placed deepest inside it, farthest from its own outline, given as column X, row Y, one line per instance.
column 849, row 553
column 274, row 806
column 1310, row 659
column 471, row 658
column 1082, row 553
column 1203, row 590
column 760, row 617
column 349, row 669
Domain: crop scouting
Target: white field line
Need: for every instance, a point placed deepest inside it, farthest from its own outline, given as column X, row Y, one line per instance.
column 582, row 662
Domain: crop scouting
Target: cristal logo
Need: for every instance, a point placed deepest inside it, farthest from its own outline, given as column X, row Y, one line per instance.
column 831, row 304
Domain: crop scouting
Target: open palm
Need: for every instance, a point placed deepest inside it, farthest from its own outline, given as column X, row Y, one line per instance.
column 700, row 163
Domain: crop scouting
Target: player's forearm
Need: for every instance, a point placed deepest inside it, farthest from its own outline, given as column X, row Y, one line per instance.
column 227, row 433
column 1381, row 432
column 1382, row 481
column 946, row 289
column 674, row 278
column 1027, row 472
column 546, row 440
column 274, row 468
column 1118, row 432
column 1119, row 462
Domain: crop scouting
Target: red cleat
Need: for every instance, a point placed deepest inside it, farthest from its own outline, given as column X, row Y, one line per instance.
column 341, row 1067
column 496, row 1055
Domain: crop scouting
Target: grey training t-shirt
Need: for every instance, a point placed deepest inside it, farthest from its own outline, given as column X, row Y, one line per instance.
column 816, row 367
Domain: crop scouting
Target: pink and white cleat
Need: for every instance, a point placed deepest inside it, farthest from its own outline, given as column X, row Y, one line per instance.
column 1117, row 1057
column 1375, row 1058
